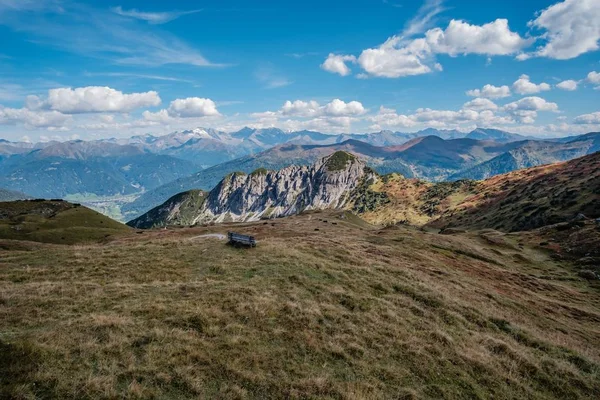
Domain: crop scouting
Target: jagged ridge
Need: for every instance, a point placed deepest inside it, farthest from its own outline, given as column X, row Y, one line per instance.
column 328, row 183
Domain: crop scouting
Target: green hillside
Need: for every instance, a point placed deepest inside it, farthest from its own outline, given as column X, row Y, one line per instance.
column 54, row 221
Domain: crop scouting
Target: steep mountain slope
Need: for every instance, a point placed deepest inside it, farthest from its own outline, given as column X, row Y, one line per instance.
column 89, row 167
column 11, row 195
column 55, row 222
column 181, row 209
column 328, row 183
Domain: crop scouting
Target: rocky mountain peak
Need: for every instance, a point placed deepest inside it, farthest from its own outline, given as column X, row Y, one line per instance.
column 328, row 183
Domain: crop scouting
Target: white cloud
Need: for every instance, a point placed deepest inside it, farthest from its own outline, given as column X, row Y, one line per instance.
column 338, row 108
column 152, row 17
column 161, row 116
column 494, row 38
column 192, row 107
column 524, row 86
column 490, row 92
column 311, row 109
column 569, row 85
column 389, row 61
column 337, row 64
column 587, row 119
column 572, row 28
column 427, row 115
column 594, row 78
column 386, row 117
column 401, row 56
column 480, row 104
column 33, row 119
column 92, row 99
column 525, row 110
column 335, row 116
column 479, row 112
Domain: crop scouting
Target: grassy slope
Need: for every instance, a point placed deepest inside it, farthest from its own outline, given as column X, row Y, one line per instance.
column 322, row 308
column 531, row 198
column 54, row 222
column 520, row 200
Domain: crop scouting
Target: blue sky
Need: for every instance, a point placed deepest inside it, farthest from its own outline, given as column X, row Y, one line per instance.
column 92, row 69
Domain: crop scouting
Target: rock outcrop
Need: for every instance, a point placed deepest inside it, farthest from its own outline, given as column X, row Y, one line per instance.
column 328, row 183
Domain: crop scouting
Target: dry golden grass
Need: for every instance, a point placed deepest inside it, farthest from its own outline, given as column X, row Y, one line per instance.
column 322, row 308
column 517, row 201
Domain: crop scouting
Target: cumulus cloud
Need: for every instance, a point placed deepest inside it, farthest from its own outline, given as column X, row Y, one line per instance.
column 92, row 99
column 490, row 92
column 428, row 115
column 401, row 55
column 594, row 78
column 480, row 104
column 491, row 39
column 391, row 61
column 33, row 118
column 389, row 118
column 335, row 116
column 524, row 86
column 479, row 112
column 310, row 109
column 569, row 85
column 525, row 110
column 191, row 107
column 588, row 119
column 571, row 28
column 337, row 64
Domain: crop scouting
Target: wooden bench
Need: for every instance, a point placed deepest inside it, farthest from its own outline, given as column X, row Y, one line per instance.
column 237, row 239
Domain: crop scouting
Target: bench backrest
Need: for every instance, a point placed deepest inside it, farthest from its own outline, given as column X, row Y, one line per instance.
column 243, row 239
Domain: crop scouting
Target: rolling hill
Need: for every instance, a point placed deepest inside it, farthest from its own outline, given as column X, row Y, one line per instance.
column 55, row 221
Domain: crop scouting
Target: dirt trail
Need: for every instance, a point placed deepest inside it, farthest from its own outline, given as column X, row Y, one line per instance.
column 219, row 236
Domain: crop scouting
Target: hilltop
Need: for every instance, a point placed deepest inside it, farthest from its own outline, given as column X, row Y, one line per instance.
column 55, row 221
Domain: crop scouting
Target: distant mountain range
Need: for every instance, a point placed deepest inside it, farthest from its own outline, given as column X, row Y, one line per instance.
column 154, row 168
column 104, row 169
column 520, row 200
